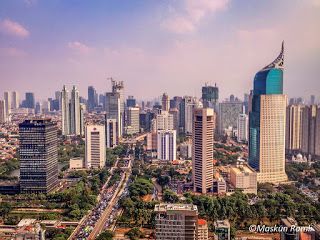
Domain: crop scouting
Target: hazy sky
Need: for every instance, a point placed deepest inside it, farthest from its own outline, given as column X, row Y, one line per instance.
column 156, row 46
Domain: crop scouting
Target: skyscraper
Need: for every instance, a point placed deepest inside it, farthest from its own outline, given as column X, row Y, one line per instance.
column 293, row 128
column 38, row 156
column 267, row 123
column 133, row 120
column 229, row 112
column 92, row 98
column 65, row 113
column 7, row 101
column 312, row 99
column 30, row 101
column 75, row 122
column 71, row 112
column 165, row 102
column 243, row 128
column 210, row 96
column 95, row 146
column 113, row 109
column 309, row 129
column 118, row 87
column 131, row 102
column 115, row 105
column 164, row 121
column 15, row 100
column 112, row 137
column 186, row 107
column 167, row 149
column 175, row 115
column 202, row 149
column 3, row 116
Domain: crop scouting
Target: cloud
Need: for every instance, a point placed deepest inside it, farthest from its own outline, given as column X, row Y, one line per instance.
column 12, row 28
column 30, row 2
column 79, row 47
column 12, row 52
column 185, row 20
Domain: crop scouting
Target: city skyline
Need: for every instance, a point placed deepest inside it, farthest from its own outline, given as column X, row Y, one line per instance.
column 174, row 45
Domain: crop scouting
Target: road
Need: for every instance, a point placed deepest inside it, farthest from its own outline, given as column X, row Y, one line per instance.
column 100, row 225
column 83, row 222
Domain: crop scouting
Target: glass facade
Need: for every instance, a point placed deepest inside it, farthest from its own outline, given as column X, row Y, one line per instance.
column 38, row 156
column 266, row 82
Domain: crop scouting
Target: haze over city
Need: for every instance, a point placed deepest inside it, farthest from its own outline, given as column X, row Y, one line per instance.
column 157, row 46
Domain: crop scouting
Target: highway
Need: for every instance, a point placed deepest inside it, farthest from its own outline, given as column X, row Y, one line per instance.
column 100, row 225
column 102, row 199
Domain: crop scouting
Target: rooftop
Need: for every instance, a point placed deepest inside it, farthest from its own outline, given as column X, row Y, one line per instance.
column 222, row 224
column 202, row 222
column 175, row 207
column 242, row 168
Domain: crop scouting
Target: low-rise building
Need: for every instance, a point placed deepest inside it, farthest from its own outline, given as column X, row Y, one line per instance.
column 244, row 178
column 222, row 230
column 202, row 230
column 76, row 163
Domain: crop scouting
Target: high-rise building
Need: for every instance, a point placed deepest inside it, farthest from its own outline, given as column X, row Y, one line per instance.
column 165, row 102
column 113, row 109
column 164, row 121
column 267, row 123
column 317, row 135
column 133, row 120
column 95, row 146
column 3, row 116
column 175, row 102
column 72, row 112
column 242, row 128
column 229, row 112
column 92, row 98
column 112, row 137
column 38, row 108
column 310, row 130
column 15, row 100
column 7, row 101
column 210, row 96
column 30, row 101
column 176, row 221
column 82, row 122
column 175, row 115
column 312, row 99
column 38, row 156
column 293, row 128
column 75, row 114
column 131, row 102
column 167, row 148
column 187, row 105
column 202, row 149
column 118, row 88
column 65, row 113
column 246, row 100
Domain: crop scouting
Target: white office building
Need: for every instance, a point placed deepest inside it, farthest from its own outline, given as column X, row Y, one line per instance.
column 166, row 145
column 95, row 147
column 243, row 128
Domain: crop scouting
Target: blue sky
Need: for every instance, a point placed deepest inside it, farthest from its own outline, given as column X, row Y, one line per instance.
column 157, row 46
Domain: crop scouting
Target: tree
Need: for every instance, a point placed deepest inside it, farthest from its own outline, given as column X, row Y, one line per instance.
column 135, row 233
column 170, row 196
column 106, row 235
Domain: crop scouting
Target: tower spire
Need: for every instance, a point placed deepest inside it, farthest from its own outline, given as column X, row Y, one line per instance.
column 279, row 61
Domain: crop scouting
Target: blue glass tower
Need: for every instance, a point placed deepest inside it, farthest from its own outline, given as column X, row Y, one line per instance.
column 268, row 81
